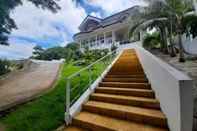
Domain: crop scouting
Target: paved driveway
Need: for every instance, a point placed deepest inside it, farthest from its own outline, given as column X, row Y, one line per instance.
column 24, row 85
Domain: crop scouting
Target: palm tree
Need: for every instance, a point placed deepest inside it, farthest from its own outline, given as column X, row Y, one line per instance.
column 159, row 24
column 169, row 12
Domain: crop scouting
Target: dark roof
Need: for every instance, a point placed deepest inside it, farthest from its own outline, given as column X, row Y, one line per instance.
column 88, row 17
column 118, row 16
column 113, row 19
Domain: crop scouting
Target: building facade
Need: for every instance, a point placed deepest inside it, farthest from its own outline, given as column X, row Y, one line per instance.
column 96, row 33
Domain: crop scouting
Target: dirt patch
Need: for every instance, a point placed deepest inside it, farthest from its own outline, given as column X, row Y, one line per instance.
column 26, row 84
column 2, row 128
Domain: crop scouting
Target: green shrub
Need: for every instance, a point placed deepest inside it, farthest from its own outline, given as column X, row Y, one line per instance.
column 70, row 52
column 90, row 56
column 113, row 47
column 80, row 63
column 151, row 41
column 4, row 66
column 190, row 25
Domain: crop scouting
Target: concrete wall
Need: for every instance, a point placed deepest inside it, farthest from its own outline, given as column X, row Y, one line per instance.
column 189, row 44
column 173, row 89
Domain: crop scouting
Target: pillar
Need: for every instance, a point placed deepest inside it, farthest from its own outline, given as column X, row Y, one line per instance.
column 96, row 40
column 113, row 37
column 104, row 38
column 195, row 5
column 80, row 42
column 89, row 43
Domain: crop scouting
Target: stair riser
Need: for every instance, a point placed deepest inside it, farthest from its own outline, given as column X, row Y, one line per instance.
column 121, row 72
column 125, row 80
column 127, row 116
column 127, row 93
column 130, row 85
column 123, row 101
column 90, row 126
column 152, row 105
column 126, row 76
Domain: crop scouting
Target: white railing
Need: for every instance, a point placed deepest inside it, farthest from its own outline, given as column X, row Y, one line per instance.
column 173, row 89
column 189, row 44
column 79, row 82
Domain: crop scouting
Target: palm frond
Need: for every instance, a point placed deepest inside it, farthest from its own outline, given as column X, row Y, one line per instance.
column 147, row 23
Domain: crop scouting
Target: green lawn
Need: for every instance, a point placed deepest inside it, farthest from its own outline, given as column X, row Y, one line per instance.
column 47, row 112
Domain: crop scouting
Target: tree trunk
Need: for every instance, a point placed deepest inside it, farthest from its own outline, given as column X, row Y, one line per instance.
column 172, row 52
column 164, row 41
column 179, row 30
column 181, row 51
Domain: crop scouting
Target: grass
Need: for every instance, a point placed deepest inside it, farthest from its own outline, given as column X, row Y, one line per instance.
column 47, row 112
column 43, row 114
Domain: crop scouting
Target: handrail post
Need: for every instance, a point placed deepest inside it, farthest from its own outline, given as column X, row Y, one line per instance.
column 67, row 113
column 90, row 75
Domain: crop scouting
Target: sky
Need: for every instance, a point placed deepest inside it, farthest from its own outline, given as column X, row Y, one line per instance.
column 44, row 28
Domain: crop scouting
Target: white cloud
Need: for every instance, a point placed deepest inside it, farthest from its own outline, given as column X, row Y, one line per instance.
column 96, row 14
column 38, row 24
column 113, row 6
column 17, row 50
column 42, row 25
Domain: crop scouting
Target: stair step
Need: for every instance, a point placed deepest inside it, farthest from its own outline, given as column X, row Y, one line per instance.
column 98, row 122
column 126, row 100
column 126, row 91
column 136, row 80
column 123, row 101
column 125, row 85
column 125, row 76
column 142, row 115
column 73, row 128
column 117, row 72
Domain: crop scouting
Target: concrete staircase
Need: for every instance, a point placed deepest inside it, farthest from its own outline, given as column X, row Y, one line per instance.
column 123, row 101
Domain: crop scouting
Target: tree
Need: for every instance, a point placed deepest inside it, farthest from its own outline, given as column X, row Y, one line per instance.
column 7, row 24
column 151, row 40
column 174, row 11
column 190, row 25
column 38, row 51
column 4, row 67
column 71, row 51
column 54, row 53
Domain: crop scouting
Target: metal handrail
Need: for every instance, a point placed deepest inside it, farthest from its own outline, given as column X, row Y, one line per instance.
column 69, row 102
column 87, row 67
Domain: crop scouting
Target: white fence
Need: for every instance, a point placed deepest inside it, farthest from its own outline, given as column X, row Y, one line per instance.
column 189, row 44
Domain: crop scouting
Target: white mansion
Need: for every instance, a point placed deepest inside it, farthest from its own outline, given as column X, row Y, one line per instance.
column 96, row 33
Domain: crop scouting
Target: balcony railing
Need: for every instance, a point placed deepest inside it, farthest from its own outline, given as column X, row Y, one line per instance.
column 79, row 82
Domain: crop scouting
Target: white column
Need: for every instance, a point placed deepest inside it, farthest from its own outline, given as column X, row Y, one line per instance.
column 80, row 44
column 105, row 42
column 195, row 5
column 89, row 43
column 96, row 39
column 104, row 38
column 113, row 37
column 141, row 35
